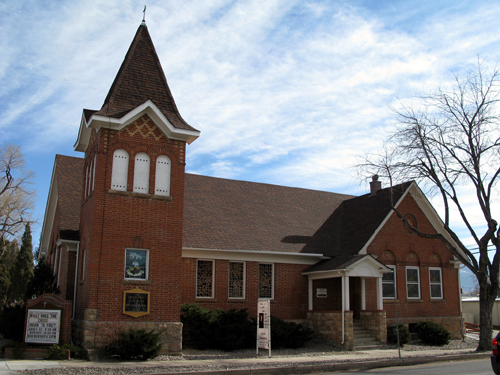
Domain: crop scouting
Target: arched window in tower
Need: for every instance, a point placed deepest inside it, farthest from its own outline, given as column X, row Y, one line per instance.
column 119, row 174
column 162, row 184
column 141, row 173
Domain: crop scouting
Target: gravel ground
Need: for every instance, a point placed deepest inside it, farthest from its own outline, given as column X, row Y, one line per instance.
column 312, row 350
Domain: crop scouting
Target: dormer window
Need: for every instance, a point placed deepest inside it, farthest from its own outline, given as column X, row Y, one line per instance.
column 163, row 169
column 141, row 173
column 120, row 170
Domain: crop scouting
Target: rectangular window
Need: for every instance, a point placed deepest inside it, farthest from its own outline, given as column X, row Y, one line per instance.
column 204, row 278
column 412, row 283
column 266, row 281
column 388, row 284
column 436, row 283
column 236, row 280
column 136, row 264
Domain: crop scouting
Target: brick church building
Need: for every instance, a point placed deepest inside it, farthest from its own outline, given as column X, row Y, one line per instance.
column 132, row 237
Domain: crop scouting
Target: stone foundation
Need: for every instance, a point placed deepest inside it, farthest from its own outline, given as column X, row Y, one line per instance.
column 452, row 324
column 375, row 322
column 90, row 333
column 328, row 325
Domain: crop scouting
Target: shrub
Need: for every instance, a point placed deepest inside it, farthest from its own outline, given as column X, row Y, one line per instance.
column 404, row 334
column 12, row 322
column 433, row 333
column 133, row 343
column 233, row 329
column 288, row 334
column 61, row 352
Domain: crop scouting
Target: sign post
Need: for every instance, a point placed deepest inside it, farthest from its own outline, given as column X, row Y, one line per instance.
column 264, row 326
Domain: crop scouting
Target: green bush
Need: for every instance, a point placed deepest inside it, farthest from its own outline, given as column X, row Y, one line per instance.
column 233, row 330
column 61, row 352
column 288, row 334
column 404, row 334
column 433, row 333
column 133, row 343
column 216, row 329
column 12, row 322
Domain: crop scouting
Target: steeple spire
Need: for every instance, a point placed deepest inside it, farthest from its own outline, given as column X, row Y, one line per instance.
column 144, row 13
column 140, row 79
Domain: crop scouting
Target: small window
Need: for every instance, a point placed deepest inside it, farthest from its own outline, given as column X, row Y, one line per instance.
column 388, row 284
column 119, row 175
column 436, row 283
column 236, row 280
column 136, row 264
column 266, row 281
column 163, row 170
column 412, row 283
column 204, row 278
column 141, row 173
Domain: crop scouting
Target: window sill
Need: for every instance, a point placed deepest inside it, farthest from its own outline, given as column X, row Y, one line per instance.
column 140, row 195
column 416, row 300
column 208, row 299
column 390, row 300
column 437, row 300
column 237, row 300
column 132, row 281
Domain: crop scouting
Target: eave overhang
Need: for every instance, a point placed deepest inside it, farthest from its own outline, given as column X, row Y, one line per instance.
column 98, row 121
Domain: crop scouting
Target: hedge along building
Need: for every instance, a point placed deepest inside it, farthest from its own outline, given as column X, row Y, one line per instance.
column 126, row 220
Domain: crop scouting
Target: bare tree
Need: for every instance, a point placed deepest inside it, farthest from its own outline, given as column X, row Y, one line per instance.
column 16, row 193
column 449, row 142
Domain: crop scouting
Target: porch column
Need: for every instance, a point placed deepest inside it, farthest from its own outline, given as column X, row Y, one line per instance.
column 380, row 299
column 310, row 293
column 346, row 293
column 363, row 294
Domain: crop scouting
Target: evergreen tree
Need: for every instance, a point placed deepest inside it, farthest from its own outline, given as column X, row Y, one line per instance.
column 7, row 260
column 22, row 272
column 43, row 281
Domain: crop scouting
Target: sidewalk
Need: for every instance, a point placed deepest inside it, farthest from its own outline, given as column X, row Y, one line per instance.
column 258, row 365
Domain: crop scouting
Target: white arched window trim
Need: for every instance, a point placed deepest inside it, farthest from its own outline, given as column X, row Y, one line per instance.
column 163, row 171
column 119, row 174
column 141, row 173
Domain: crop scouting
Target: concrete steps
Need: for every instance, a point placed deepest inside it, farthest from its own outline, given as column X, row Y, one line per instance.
column 364, row 340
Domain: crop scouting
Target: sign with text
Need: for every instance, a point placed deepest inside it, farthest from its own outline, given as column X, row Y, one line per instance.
column 43, row 326
column 264, row 326
column 136, row 302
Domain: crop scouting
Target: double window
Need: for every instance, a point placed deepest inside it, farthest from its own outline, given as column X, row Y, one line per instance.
column 412, row 283
column 389, row 284
column 436, row 282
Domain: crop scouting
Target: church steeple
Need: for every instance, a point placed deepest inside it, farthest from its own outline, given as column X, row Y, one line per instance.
column 140, row 79
column 139, row 87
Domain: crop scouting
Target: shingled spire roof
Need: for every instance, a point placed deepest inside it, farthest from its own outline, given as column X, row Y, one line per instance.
column 140, row 79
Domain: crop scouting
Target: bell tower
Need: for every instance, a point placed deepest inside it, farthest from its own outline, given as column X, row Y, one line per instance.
column 132, row 203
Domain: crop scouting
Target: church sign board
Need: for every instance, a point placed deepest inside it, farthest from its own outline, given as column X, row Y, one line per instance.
column 136, row 302
column 43, row 326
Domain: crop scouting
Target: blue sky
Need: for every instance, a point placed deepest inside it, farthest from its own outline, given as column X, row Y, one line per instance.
column 283, row 92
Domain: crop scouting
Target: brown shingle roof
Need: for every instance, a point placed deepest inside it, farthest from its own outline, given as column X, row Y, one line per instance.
column 350, row 227
column 69, row 174
column 240, row 215
column 140, row 79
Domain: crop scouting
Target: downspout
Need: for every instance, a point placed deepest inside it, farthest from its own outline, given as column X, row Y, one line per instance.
column 343, row 306
column 462, row 325
column 76, row 279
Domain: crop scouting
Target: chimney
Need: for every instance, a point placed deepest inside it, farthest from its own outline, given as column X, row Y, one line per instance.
column 375, row 185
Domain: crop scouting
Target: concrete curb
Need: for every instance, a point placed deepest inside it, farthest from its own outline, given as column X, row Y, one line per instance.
column 335, row 367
